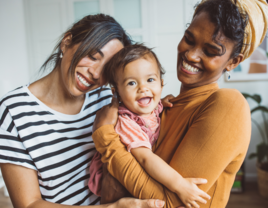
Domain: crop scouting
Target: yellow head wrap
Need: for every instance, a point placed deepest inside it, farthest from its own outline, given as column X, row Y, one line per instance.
column 257, row 11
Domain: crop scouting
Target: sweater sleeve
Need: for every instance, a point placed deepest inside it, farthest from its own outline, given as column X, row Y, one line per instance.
column 218, row 136
column 217, row 141
column 124, row 167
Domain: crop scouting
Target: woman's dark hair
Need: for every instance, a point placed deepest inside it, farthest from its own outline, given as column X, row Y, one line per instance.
column 92, row 32
column 125, row 56
column 228, row 19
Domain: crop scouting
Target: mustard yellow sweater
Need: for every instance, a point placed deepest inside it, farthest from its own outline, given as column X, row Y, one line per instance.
column 204, row 135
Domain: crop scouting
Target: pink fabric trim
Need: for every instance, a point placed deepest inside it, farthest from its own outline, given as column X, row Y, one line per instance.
column 95, row 170
column 144, row 138
column 141, row 122
column 130, row 132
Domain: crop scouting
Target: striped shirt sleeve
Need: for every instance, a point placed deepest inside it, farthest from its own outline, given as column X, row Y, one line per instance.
column 12, row 149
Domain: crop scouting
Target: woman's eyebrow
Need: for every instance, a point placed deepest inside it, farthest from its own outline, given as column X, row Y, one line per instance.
column 207, row 44
column 100, row 52
column 214, row 47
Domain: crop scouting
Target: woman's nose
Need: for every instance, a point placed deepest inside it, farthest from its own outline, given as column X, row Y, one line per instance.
column 95, row 72
column 193, row 55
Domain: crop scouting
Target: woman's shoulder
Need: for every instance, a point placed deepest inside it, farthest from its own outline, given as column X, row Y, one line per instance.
column 100, row 92
column 98, row 98
column 226, row 95
column 226, row 99
column 14, row 96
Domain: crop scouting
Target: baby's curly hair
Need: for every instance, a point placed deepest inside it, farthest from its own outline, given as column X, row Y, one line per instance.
column 125, row 56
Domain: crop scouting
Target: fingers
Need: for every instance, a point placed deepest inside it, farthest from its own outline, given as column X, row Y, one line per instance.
column 154, row 203
column 188, row 205
column 194, row 204
column 205, row 195
column 170, row 104
column 170, row 97
column 201, row 193
column 166, row 102
column 199, row 180
column 201, row 200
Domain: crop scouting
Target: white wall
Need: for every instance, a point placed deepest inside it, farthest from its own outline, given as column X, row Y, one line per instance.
column 13, row 51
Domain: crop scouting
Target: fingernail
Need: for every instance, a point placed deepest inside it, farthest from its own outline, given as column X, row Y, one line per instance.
column 159, row 203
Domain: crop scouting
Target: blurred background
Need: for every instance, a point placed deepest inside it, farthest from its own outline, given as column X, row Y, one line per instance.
column 31, row 28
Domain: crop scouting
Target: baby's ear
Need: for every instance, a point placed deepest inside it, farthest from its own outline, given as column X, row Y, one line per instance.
column 162, row 83
column 115, row 92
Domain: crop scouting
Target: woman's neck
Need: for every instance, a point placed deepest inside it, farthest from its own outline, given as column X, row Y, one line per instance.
column 185, row 88
column 52, row 91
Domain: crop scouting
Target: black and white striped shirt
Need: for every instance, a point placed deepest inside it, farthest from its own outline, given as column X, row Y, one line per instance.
column 58, row 146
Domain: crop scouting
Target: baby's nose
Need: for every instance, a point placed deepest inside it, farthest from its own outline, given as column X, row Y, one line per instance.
column 143, row 89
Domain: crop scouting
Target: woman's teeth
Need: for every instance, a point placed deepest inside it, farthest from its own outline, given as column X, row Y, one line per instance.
column 189, row 67
column 83, row 81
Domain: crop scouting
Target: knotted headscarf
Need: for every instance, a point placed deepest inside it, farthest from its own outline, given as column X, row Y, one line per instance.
column 257, row 11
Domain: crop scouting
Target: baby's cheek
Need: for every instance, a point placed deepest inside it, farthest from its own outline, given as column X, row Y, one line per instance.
column 158, row 92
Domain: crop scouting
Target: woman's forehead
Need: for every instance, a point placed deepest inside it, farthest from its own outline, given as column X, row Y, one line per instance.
column 203, row 28
column 201, row 23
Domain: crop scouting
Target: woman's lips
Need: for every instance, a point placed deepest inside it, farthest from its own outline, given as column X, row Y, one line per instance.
column 82, row 82
column 189, row 69
column 188, row 72
column 145, row 101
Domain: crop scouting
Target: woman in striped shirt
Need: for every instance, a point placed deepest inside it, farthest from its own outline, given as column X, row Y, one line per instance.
column 46, row 127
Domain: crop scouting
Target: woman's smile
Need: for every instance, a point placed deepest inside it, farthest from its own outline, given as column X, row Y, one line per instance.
column 202, row 58
column 88, row 69
column 83, row 82
column 189, row 69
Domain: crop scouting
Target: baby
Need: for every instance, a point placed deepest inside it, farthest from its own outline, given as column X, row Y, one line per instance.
column 135, row 74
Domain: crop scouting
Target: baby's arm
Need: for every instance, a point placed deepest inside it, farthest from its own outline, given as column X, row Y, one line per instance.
column 185, row 188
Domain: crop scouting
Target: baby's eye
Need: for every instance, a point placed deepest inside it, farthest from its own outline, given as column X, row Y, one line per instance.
column 131, row 83
column 150, row 80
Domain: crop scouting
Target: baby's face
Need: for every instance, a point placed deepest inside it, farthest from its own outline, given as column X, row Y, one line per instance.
column 139, row 85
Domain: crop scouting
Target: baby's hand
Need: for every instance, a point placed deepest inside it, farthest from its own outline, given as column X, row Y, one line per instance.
column 190, row 194
column 165, row 101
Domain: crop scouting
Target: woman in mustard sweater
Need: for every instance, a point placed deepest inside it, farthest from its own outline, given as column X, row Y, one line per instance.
column 207, row 131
